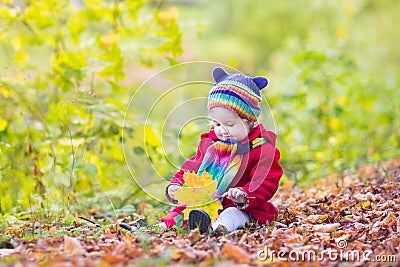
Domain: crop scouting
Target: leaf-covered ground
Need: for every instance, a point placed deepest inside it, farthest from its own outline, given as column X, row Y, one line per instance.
column 341, row 221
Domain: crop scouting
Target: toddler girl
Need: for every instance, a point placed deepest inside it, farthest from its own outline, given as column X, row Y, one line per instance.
column 238, row 152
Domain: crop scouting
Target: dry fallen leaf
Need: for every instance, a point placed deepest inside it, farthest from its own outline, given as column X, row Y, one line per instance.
column 113, row 259
column 7, row 251
column 184, row 255
column 36, row 256
column 391, row 218
column 72, row 246
column 194, row 235
column 313, row 219
column 201, row 254
column 243, row 239
column 398, row 225
column 326, row 228
column 235, row 252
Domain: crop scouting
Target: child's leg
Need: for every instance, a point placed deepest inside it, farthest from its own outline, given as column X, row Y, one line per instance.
column 232, row 218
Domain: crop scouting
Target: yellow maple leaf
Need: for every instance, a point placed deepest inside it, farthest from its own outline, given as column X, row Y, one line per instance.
column 194, row 180
column 197, row 194
column 366, row 204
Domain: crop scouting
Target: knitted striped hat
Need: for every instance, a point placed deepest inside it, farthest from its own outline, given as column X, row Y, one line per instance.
column 237, row 92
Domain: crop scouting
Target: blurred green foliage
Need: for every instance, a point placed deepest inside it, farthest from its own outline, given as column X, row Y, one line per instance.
column 68, row 69
column 63, row 93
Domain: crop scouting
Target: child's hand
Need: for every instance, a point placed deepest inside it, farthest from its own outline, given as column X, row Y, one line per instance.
column 172, row 189
column 236, row 195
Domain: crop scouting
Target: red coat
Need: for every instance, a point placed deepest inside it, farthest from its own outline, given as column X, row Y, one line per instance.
column 260, row 171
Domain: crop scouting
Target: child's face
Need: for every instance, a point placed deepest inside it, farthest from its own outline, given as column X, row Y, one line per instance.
column 228, row 125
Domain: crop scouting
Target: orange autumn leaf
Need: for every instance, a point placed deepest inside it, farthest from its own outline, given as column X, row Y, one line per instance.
column 183, row 254
column 391, row 218
column 113, row 259
column 315, row 218
column 235, row 252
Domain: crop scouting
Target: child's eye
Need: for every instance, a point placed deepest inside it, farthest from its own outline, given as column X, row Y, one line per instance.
column 217, row 124
column 230, row 125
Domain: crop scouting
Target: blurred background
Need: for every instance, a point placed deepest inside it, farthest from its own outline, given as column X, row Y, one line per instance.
column 69, row 68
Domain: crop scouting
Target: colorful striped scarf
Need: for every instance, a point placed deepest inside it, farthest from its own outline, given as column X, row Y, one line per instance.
column 222, row 161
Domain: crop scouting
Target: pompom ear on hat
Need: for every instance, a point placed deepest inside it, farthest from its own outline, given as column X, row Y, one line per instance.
column 237, row 92
column 218, row 74
column 261, row 82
